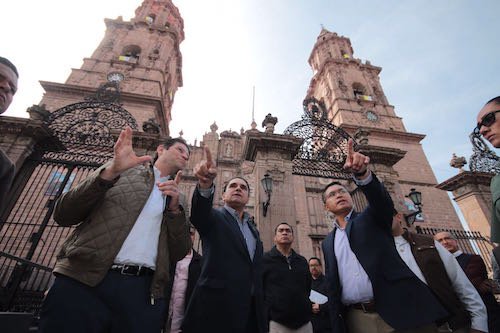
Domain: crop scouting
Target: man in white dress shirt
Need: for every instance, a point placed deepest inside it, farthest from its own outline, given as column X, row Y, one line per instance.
column 113, row 269
column 437, row 267
column 367, row 280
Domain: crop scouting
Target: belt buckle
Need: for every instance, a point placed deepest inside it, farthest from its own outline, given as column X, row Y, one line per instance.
column 124, row 267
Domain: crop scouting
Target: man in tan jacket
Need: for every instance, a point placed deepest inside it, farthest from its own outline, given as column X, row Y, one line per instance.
column 112, row 271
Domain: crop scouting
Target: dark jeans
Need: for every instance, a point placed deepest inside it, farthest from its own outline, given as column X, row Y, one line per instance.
column 118, row 304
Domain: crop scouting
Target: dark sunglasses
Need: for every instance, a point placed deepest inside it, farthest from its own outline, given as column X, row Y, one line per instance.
column 487, row 121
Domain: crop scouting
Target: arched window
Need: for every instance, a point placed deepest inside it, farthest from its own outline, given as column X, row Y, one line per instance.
column 358, row 89
column 130, row 53
column 359, row 92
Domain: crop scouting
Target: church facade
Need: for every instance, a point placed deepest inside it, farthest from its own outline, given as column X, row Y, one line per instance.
column 131, row 79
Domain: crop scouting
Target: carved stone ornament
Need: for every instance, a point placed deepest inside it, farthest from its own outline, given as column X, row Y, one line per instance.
column 361, row 136
column 38, row 112
column 269, row 122
column 151, row 126
column 458, row 162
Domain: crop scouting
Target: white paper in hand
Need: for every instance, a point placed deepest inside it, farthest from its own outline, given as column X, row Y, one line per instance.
column 317, row 298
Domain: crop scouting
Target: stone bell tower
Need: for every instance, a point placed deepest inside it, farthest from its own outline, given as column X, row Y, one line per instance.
column 354, row 99
column 140, row 57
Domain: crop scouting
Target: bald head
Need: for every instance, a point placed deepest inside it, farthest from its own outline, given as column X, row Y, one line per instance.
column 448, row 241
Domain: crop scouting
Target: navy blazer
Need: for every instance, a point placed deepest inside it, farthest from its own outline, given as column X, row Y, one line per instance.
column 222, row 297
column 401, row 298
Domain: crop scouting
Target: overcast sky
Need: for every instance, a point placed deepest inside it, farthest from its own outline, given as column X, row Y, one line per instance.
column 440, row 59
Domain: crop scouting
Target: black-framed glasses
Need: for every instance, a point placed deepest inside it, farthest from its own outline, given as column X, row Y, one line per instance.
column 487, row 121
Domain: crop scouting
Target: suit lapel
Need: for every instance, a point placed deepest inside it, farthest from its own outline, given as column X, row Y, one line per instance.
column 348, row 228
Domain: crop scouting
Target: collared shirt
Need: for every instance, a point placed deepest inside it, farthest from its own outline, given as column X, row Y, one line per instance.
column 457, row 253
column 249, row 237
column 356, row 286
column 461, row 284
column 178, row 297
column 141, row 245
column 245, row 230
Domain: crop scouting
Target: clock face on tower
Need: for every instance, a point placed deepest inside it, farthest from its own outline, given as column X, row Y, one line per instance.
column 371, row 116
column 115, row 77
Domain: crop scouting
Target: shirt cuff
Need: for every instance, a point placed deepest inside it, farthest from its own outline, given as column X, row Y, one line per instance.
column 206, row 192
column 362, row 182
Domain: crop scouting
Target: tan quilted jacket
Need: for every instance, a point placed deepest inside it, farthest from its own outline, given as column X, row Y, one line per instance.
column 105, row 212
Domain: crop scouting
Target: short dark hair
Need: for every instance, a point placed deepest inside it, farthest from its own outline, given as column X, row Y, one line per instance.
column 328, row 186
column 495, row 100
column 276, row 228
column 169, row 142
column 237, row 177
column 316, row 258
column 7, row 63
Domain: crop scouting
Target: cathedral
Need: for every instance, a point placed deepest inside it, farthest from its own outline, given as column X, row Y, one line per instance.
column 132, row 78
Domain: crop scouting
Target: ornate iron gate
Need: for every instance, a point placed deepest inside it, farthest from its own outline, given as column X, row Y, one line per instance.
column 324, row 150
column 29, row 238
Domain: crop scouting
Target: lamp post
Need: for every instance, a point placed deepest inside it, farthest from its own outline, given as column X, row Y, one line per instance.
column 267, row 184
column 416, row 197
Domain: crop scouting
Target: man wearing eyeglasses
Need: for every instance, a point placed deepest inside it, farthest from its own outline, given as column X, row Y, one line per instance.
column 371, row 290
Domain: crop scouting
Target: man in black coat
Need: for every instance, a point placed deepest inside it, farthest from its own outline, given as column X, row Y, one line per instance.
column 320, row 312
column 371, row 288
column 228, row 297
column 287, row 284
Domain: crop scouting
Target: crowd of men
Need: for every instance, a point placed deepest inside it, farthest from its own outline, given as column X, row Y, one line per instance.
column 129, row 264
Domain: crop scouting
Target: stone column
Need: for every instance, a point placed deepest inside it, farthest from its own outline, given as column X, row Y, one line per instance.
column 471, row 191
column 272, row 154
column 19, row 137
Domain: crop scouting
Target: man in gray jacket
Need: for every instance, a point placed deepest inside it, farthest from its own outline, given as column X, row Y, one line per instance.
column 112, row 271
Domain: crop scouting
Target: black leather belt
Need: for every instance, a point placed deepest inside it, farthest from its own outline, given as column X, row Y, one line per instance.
column 132, row 270
column 366, row 307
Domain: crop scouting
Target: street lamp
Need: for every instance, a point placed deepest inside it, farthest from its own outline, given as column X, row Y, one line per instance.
column 267, row 184
column 416, row 197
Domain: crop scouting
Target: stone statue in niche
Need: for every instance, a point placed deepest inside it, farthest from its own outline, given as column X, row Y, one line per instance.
column 229, row 150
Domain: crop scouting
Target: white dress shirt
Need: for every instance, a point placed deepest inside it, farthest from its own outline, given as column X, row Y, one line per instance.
column 356, row 285
column 141, row 245
column 461, row 284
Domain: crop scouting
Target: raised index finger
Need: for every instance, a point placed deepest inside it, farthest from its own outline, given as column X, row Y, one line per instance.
column 350, row 148
column 178, row 177
column 209, row 157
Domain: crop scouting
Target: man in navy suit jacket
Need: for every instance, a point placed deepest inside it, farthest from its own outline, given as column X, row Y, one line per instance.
column 228, row 296
column 371, row 288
